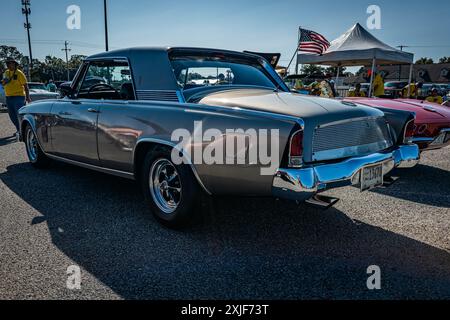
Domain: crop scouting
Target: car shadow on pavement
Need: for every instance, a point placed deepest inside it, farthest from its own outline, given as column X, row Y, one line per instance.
column 256, row 248
column 421, row 184
column 8, row 140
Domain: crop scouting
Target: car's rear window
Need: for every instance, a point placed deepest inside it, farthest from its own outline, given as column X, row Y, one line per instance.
column 193, row 71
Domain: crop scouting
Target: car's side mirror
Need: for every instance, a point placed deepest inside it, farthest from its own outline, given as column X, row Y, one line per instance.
column 66, row 89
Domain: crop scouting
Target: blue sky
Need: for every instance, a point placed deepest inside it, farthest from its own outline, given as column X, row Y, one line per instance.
column 262, row 25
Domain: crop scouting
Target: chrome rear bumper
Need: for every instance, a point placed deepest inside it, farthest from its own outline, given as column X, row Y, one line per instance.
column 302, row 183
column 441, row 141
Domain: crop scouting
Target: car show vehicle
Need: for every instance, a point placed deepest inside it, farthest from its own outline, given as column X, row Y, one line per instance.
column 432, row 124
column 38, row 91
column 129, row 125
column 394, row 88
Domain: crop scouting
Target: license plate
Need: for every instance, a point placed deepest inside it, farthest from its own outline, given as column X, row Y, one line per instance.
column 371, row 177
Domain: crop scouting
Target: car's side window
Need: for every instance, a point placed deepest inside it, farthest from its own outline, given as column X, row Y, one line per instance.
column 107, row 79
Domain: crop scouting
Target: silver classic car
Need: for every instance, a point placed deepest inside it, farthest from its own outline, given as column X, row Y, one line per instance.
column 182, row 121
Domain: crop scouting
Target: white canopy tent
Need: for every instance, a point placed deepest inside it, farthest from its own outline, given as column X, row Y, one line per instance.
column 357, row 47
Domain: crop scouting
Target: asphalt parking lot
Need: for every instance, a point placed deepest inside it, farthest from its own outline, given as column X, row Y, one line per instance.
column 239, row 249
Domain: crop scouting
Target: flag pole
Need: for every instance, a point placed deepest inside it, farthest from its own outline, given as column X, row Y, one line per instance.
column 298, row 41
column 293, row 56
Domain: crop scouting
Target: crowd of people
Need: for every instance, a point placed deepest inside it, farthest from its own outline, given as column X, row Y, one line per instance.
column 411, row 90
column 326, row 88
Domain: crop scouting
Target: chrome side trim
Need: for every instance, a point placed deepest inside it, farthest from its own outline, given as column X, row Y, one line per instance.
column 123, row 174
column 175, row 146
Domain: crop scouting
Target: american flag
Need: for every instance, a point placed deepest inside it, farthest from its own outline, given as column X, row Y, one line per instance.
column 313, row 42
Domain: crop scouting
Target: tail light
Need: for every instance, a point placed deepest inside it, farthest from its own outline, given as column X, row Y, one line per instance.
column 409, row 131
column 296, row 149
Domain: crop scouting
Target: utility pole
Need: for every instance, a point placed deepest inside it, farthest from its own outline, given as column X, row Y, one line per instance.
column 400, row 66
column 106, row 25
column 27, row 11
column 66, row 49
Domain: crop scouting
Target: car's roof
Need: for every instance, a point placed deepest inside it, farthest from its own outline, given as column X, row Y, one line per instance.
column 128, row 51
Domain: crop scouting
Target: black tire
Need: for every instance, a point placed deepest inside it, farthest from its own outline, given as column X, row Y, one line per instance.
column 34, row 152
column 179, row 212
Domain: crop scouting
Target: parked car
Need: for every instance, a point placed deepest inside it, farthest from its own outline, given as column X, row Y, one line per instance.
column 443, row 88
column 146, row 123
column 432, row 124
column 394, row 88
column 425, row 91
column 38, row 91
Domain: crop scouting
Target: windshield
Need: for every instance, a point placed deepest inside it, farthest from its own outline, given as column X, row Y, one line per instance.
column 38, row 86
column 203, row 71
column 397, row 85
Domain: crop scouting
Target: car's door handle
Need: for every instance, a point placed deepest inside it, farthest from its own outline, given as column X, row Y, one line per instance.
column 93, row 110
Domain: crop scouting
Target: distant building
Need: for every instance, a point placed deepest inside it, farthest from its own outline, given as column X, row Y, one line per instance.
column 426, row 73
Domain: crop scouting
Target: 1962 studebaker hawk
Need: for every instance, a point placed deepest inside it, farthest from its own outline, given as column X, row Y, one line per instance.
column 124, row 124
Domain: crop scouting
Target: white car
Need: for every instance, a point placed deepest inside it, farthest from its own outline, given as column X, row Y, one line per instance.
column 38, row 91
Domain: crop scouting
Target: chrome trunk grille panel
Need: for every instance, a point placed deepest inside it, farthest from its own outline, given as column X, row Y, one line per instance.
column 348, row 138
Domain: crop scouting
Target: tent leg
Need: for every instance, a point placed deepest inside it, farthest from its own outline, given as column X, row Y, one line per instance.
column 410, row 79
column 371, row 78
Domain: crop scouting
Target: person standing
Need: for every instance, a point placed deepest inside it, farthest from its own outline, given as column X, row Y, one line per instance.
column 378, row 85
column 16, row 91
column 435, row 97
column 356, row 92
column 51, row 86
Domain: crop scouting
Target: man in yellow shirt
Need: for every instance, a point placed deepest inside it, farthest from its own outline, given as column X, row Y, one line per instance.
column 435, row 97
column 357, row 92
column 16, row 91
column 378, row 85
column 413, row 90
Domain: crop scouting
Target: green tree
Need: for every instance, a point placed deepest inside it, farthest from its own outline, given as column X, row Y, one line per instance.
column 444, row 60
column 425, row 61
column 10, row 52
column 75, row 61
column 311, row 69
column 333, row 71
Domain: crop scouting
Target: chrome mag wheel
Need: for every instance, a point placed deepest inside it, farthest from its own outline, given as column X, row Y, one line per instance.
column 32, row 146
column 165, row 185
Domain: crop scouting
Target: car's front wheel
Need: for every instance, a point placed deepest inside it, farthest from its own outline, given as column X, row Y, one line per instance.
column 171, row 190
column 35, row 154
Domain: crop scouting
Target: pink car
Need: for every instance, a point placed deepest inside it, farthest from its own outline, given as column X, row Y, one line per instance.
column 432, row 124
